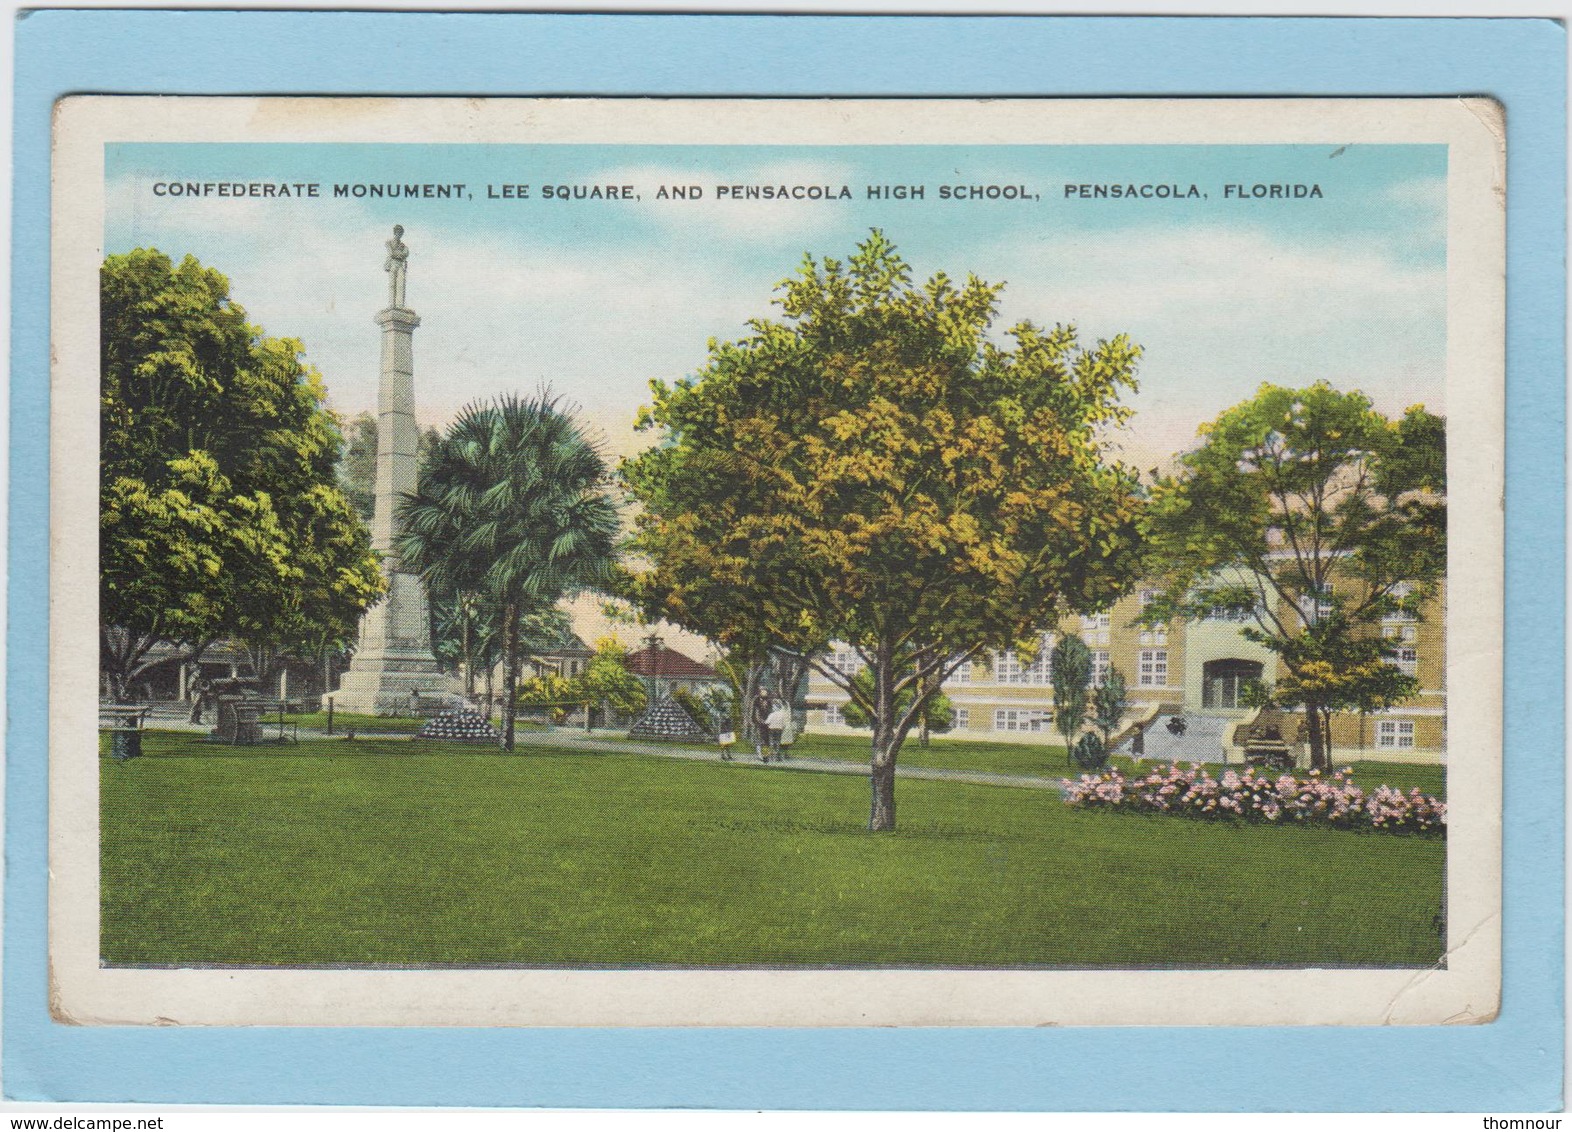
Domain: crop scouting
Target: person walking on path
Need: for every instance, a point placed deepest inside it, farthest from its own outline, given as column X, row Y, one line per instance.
column 199, row 693
column 777, row 721
column 759, row 716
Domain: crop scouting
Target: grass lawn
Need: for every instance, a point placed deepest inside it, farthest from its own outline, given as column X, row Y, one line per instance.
column 1047, row 760
column 1038, row 759
column 383, row 852
column 355, row 721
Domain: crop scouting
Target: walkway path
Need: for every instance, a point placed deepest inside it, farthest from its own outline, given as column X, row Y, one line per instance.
column 820, row 765
column 580, row 741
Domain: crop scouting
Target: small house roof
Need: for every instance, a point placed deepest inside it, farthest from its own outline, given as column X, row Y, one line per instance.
column 659, row 661
column 566, row 643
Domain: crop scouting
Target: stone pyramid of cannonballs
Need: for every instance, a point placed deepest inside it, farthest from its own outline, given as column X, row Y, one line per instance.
column 667, row 719
column 462, row 725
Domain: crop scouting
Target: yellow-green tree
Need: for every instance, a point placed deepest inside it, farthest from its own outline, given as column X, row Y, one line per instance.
column 1316, row 517
column 607, row 683
column 876, row 468
column 219, row 511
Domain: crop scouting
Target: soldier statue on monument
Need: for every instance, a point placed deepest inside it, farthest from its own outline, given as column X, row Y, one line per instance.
column 397, row 267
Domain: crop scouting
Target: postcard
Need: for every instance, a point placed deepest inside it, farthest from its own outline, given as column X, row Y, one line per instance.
column 661, row 562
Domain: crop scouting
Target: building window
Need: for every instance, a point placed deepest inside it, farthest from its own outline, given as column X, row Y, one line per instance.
column 1154, row 668
column 1395, row 733
column 959, row 670
column 1399, row 616
column 1021, row 719
column 1235, row 615
column 846, row 662
column 832, row 714
column 1407, row 660
column 1317, row 605
column 1158, row 636
column 962, row 720
column 1095, row 628
column 1099, row 666
column 1149, row 596
column 1009, row 669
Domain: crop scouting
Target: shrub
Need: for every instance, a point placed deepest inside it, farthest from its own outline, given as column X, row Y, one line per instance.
column 1089, row 751
column 1259, row 797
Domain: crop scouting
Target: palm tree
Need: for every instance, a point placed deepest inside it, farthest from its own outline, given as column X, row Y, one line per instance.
column 514, row 505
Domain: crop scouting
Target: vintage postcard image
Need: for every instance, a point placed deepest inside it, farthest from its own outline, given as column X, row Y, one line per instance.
column 661, row 562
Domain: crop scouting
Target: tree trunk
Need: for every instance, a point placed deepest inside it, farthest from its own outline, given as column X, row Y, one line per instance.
column 119, row 687
column 881, row 815
column 886, row 744
column 790, row 669
column 1318, row 753
column 750, row 686
column 510, row 670
column 469, row 665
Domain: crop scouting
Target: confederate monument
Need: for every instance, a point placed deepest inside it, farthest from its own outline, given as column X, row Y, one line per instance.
column 393, row 658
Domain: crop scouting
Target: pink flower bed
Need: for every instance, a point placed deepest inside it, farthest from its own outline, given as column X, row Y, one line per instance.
column 1259, row 797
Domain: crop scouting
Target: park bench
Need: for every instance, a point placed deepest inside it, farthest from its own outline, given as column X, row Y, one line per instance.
column 1271, row 742
column 124, row 724
column 272, row 718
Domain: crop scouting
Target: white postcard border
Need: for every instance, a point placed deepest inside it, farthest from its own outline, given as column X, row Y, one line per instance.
column 1466, row 989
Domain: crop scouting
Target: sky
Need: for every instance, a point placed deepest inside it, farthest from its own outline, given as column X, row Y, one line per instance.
column 594, row 298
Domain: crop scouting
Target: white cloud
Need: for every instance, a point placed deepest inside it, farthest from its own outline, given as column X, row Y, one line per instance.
column 496, row 315
column 1219, row 311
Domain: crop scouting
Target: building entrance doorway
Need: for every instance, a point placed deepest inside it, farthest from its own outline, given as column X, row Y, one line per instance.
column 1223, row 682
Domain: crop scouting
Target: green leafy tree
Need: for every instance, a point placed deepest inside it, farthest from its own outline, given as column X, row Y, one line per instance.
column 877, row 468
column 1316, row 516
column 550, row 692
column 743, row 671
column 937, row 713
column 514, row 505
column 607, row 683
column 722, row 707
column 357, row 464
column 463, row 634
column 219, row 510
column 1070, row 669
column 1089, row 751
column 1330, row 672
column 1108, row 704
column 1110, row 701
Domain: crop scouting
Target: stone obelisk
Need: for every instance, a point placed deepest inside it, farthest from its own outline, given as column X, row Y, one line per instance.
column 393, row 658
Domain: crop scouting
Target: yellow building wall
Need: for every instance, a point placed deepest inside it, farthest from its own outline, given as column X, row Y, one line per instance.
column 976, row 689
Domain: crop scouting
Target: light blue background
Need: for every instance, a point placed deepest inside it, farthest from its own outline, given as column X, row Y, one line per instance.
column 1514, row 1064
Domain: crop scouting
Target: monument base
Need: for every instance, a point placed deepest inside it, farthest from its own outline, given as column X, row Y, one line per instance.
column 394, row 658
column 385, row 689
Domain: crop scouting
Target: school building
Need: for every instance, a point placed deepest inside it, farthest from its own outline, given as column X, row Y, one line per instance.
column 1192, row 669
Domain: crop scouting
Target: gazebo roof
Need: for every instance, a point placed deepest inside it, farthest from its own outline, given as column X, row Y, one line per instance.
column 659, row 661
